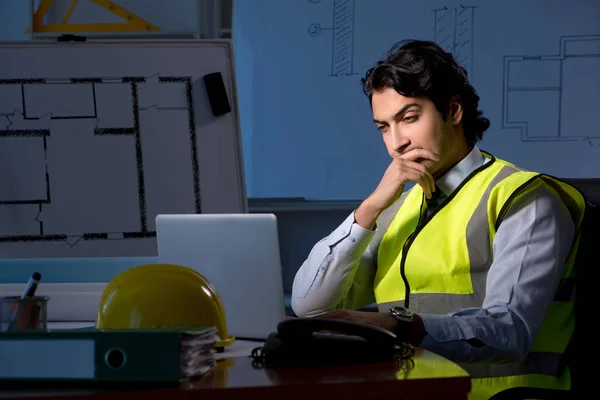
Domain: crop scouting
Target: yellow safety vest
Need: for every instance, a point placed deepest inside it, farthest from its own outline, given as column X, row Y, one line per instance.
column 439, row 264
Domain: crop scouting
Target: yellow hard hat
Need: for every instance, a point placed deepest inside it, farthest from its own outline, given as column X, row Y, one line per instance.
column 162, row 296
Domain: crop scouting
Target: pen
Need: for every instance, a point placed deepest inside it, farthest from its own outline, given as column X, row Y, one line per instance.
column 32, row 285
column 29, row 291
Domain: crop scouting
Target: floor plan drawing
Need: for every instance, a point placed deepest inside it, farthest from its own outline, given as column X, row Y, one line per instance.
column 342, row 40
column 94, row 159
column 453, row 29
column 564, row 86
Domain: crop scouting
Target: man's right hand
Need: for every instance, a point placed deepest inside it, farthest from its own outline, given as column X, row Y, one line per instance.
column 402, row 169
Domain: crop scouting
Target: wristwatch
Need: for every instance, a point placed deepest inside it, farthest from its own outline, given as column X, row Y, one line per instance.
column 404, row 318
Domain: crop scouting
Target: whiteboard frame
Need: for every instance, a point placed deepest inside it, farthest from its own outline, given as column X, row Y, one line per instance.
column 231, row 82
column 227, row 43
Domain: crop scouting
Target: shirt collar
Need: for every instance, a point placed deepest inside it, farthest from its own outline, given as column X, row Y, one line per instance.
column 451, row 179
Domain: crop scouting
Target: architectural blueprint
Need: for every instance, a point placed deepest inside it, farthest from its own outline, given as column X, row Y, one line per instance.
column 90, row 159
column 453, row 29
column 534, row 66
column 59, row 143
column 342, row 37
column 549, row 81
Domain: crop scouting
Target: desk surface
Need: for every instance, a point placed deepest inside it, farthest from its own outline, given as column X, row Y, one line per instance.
column 427, row 376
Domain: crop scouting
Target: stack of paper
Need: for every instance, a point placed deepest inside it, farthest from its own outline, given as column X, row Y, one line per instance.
column 198, row 353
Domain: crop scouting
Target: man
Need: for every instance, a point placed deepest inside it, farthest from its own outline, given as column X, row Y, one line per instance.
column 475, row 261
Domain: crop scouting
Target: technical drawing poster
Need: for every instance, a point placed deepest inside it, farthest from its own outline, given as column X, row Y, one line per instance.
column 534, row 63
column 92, row 151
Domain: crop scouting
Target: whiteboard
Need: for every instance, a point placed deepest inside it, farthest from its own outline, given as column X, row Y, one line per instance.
column 308, row 126
column 98, row 138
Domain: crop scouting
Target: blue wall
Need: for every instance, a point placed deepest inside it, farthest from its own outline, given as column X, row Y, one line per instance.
column 13, row 19
column 300, row 224
column 298, row 230
column 534, row 63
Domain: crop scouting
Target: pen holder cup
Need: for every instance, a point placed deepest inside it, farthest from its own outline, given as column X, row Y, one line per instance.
column 23, row 314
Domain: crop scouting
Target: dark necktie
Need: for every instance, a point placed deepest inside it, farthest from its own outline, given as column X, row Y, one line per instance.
column 434, row 202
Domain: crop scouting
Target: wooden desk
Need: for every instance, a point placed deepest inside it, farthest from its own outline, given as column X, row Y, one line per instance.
column 429, row 376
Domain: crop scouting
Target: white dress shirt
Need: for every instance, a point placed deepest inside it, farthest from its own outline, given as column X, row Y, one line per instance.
column 529, row 249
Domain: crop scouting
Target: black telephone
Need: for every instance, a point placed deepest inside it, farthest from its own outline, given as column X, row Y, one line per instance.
column 303, row 342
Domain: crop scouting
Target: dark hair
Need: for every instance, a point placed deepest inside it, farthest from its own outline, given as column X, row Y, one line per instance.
column 422, row 68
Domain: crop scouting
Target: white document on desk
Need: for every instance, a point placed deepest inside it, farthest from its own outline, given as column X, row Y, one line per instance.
column 239, row 349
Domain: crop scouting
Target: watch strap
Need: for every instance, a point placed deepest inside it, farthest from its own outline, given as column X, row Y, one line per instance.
column 404, row 319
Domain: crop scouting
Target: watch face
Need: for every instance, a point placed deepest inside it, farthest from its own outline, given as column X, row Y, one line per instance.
column 402, row 311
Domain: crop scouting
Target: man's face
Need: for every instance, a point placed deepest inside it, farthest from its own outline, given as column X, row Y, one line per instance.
column 408, row 123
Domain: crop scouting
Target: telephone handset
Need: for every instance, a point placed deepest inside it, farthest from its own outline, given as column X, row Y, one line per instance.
column 321, row 341
column 301, row 328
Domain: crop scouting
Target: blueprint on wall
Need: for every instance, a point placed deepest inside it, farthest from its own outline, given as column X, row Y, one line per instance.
column 564, row 86
column 89, row 161
column 534, row 63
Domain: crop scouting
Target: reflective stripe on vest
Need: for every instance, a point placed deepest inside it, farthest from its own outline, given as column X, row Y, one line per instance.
column 454, row 276
column 439, row 303
column 461, row 271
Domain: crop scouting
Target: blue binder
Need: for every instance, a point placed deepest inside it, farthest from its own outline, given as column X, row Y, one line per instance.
column 112, row 355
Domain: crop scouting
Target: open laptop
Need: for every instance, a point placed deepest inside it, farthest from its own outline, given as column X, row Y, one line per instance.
column 239, row 255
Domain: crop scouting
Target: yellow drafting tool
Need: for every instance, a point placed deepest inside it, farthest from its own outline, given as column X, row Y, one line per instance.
column 133, row 22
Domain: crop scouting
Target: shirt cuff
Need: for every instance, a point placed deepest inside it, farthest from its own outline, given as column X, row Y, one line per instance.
column 446, row 338
column 352, row 233
column 360, row 233
column 444, row 328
